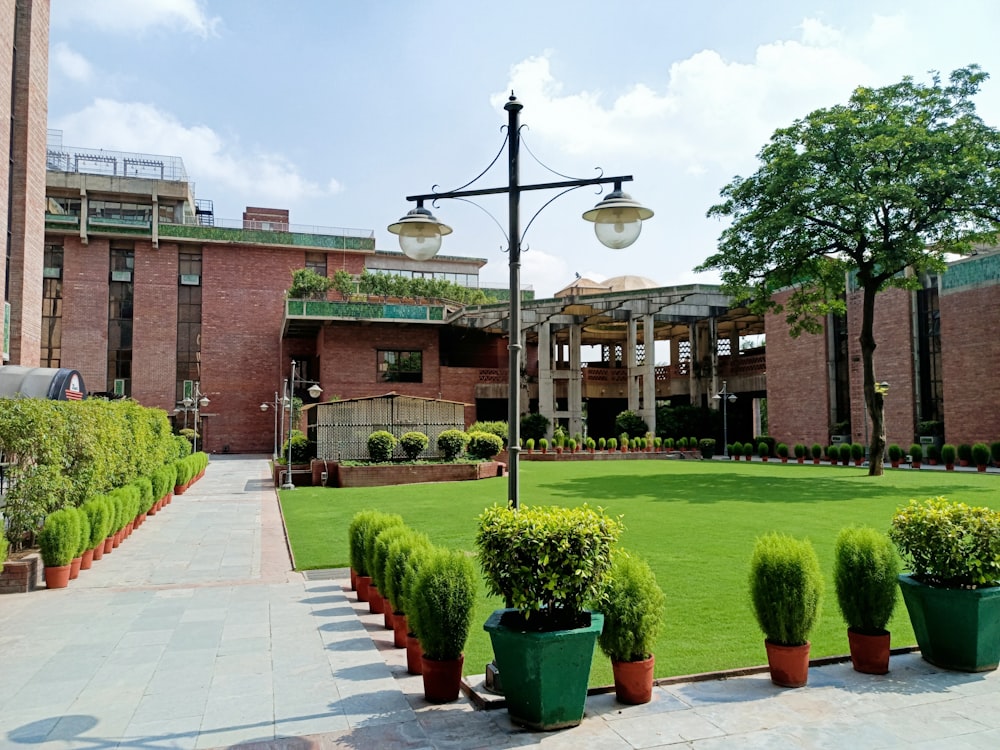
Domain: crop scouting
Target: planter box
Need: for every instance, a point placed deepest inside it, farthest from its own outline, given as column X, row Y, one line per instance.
column 301, row 474
column 21, row 576
column 390, row 474
column 955, row 628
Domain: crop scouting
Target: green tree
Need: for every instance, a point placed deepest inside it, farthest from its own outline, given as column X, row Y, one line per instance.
column 893, row 180
column 307, row 284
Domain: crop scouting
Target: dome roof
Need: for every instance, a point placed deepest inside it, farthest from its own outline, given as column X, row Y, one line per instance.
column 581, row 286
column 626, row 283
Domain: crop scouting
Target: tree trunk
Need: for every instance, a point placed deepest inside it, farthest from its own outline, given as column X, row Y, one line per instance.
column 874, row 403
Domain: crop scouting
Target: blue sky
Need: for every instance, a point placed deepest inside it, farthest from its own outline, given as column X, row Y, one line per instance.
column 337, row 109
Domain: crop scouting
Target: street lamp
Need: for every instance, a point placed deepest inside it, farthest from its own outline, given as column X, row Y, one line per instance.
column 617, row 224
column 314, row 391
column 726, row 398
column 276, row 405
column 199, row 401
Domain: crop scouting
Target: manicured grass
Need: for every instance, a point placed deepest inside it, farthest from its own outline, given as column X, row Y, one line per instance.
column 695, row 522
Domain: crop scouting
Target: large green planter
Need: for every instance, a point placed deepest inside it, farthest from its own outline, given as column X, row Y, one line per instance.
column 544, row 675
column 955, row 628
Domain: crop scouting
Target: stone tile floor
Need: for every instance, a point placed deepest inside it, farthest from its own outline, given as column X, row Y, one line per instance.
column 196, row 633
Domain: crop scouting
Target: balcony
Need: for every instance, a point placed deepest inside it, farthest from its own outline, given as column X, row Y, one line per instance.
column 303, row 317
column 290, row 235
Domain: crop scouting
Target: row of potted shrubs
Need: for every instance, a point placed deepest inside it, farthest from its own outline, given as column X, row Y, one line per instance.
column 976, row 454
column 451, row 444
column 953, row 551
column 72, row 538
column 426, row 593
column 623, row 443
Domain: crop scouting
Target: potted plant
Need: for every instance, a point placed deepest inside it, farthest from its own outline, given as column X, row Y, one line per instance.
column 858, row 453
column 58, row 541
column 952, row 592
column 932, row 453
column 380, row 557
column 400, row 551
column 411, row 571
column 547, row 563
column 980, row 455
column 865, row 573
column 948, row 454
column 782, row 450
column 817, row 452
column 833, row 454
column 356, row 553
column 763, row 450
column 964, row 454
column 895, row 455
column 529, row 445
column 84, row 554
column 375, row 526
column 785, row 588
column 543, row 445
column 632, row 605
column 916, row 455
column 800, row 452
column 995, row 452
column 444, row 594
column 707, row 447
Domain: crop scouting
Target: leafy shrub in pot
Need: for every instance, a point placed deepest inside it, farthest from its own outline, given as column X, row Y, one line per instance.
column 59, row 538
column 632, row 604
column 895, row 453
column 865, row 570
column 400, row 550
column 707, row 447
column 965, row 453
column 980, row 454
column 799, row 450
column 786, row 586
column 948, row 454
column 442, row 598
column 916, row 453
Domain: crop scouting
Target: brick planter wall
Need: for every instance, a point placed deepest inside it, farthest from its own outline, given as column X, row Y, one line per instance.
column 377, row 476
column 21, row 576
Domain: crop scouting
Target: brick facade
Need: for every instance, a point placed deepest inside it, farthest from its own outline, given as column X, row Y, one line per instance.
column 85, row 309
column 154, row 325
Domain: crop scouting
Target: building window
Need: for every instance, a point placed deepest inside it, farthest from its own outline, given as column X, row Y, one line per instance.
column 400, row 367
column 120, row 296
column 188, row 319
column 929, row 347
column 52, row 306
column 316, row 262
column 842, row 370
column 129, row 213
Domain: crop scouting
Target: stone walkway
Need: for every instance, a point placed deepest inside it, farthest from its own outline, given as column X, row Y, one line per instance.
column 196, row 633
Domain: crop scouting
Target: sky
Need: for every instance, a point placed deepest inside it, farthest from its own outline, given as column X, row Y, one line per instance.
column 339, row 109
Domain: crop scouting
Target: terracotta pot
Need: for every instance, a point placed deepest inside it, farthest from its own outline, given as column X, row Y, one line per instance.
column 980, row 467
column 869, row 653
column 363, row 582
column 116, row 539
column 414, row 654
column 354, row 580
column 442, row 678
column 800, row 459
column 894, row 464
column 374, row 600
column 98, row 551
column 915, row 464
column 179, row 489
column 87, row 560
column 387, row 621
column 633, row 680
column 816, row 461
column 789, row 664
column 154, row 510
column 74, row 568
column 399, row 629
column 57, row 577
column 949, row 467
column 109, row 544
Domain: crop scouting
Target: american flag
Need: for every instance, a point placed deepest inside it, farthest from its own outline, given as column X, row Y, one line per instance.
column 73, row 395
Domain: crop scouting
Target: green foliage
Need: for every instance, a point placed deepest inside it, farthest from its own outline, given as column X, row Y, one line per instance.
column 682, row 443
column 83, row 540
column 786, row 586
column 948, row 453
column 301, row 448
column 59, row 538
column 400, row 551
column 763, row 449
column 411, row 572
column 356, row 539
column 591, row 444
column 686, row 420
column 444, row 594
column 375, row 526
column 529, row 444
column 484, row 445
column 3, row 550
column 391, row 285
column 995, row 452
column 800, row 450
column 895, row 452
column 145, row 488
column 632, row 604
column 413, row 444
column 833, row 452
column 380, row 552
column 571, row 445
column 865, row 572
column 965, row 452
column 307, row 284
column 931, row 428
column 343, row 282
column 816, row 450
column 546, row 561
column 98, row 510
column 857, row 451
column 949, row 544
column 980, row 454
column 451, row 443
column 932, row 452
column 381, row 444
column 493, row 428
column 182, row 447
column 543, row 443
column 916, row 452
column 707, row 447
column 631, row 423
column 612, row 444
column 782, row 450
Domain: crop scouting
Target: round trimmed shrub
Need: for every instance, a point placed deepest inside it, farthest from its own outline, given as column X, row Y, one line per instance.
column 443, row 596
column 763, row 449
column 917, row 453
column 375, row 526
column 816, row 450
column 400, row 550
column 493, row 428
column 381, row 444
column 632, row 605
column 980, row 454
column 895, row 452
column 865, row 573
column 612, row 444
column 483, row 445
column 786, row 586
column 59, row 538
column 413, row 444
column 782, row 450
column 965, row 452
column 799, row 450
column 857, row 451
column 451, row 443
column 948, row 453
column 300, row 448
column 98, row 510
column 534, row 426
column 380, row 553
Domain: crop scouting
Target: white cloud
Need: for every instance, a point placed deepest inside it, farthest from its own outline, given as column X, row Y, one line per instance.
column 129, row 16
column 71, row 64
column 253, row 175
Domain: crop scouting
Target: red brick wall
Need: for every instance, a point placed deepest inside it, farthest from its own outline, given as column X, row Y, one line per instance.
column 85, row 310
column 154, row 327
column 27, row 220
column 798, row 394
column 893, row 364
column 970, row 353
column 8, row 13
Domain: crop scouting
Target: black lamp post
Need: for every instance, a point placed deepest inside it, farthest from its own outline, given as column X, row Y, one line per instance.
column 314, row 391
column 727, row 398
column 277, row 411
column 617, row 224
column 197, row 401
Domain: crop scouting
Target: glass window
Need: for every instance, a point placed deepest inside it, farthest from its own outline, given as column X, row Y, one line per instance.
column 316, row 262
column 400, row 366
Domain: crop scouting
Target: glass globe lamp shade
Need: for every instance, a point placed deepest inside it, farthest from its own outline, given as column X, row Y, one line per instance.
column 419, row 234
column 618, row 220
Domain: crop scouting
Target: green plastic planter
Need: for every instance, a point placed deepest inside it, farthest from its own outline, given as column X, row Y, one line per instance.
column 956, row 628
column 544, row 674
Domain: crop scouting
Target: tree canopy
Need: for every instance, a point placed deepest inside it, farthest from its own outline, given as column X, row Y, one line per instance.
column 896, row 179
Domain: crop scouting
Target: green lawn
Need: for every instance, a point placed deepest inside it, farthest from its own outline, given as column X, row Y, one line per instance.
column 694, row 522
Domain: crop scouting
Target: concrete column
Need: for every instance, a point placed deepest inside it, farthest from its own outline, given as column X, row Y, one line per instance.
column 695, row 354
column 633, row 368
column 648, row 368
column 574, row 391
column 546, row 388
